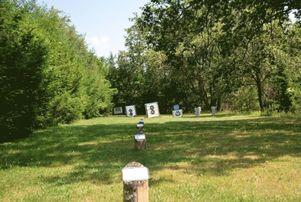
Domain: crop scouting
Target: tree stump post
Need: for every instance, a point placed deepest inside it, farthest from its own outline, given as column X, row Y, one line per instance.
column 139, row 138
column 135, row 182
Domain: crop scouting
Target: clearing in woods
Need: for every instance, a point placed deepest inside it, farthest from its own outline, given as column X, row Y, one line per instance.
column 224, row 158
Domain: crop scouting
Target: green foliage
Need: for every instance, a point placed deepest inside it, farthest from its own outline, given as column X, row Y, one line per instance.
column 66, row 108
column 210, row 49
column 293, row 73
column 282, row 96
column 244, row 100
column 47, row 73
column 22, row 57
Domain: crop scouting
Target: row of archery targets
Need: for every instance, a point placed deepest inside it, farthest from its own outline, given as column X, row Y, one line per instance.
column 152, row 110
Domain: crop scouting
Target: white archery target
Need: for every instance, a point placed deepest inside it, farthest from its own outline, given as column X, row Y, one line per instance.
column 130, row 110
column 197, row 111
column 152, row 109
column 177, row 113
column 213, row 110
column 118, row 110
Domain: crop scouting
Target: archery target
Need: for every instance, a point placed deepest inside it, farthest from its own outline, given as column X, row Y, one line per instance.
column 130, row 110
column 152, row 109
column 197, row 111
column 177, row 113
column 118, row 110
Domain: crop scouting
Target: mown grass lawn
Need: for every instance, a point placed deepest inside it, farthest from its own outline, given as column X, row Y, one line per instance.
column 222, row 158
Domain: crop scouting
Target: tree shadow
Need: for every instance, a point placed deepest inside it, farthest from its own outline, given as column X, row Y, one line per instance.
column 207, row 114
column 98, row 152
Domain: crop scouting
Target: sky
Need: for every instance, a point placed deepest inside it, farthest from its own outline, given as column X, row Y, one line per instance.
column 102, row 22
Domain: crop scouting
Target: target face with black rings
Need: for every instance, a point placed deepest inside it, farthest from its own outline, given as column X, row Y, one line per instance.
column 152, row 109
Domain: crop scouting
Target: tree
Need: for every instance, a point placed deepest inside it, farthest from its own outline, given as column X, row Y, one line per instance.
column 209, row 50
column 22, row 57
column 47, row 72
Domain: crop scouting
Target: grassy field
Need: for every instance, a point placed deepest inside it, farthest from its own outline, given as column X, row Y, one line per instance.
column 222, row 158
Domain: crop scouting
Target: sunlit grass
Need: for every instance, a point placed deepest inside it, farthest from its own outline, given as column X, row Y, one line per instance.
column 229, row 157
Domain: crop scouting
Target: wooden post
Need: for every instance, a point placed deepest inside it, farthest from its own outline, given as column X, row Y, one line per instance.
column 139, row 138
column 135, row 182
column 140, row 141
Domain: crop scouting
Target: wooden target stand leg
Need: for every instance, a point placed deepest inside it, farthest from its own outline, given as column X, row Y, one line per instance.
column 140, row 144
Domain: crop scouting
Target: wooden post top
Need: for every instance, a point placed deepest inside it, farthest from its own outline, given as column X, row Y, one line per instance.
column 135, row 171
column 140, row 124
column 139, row 136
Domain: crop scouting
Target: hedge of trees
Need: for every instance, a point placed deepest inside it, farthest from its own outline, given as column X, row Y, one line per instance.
column 237, row 55
column 47, row 74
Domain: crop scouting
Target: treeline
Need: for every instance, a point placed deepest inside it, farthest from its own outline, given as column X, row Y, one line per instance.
column 236, row 55
column 47, row 74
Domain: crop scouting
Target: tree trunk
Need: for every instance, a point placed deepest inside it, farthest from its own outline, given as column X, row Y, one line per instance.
column 205, row 97
column 259, row 91
column 219, row 102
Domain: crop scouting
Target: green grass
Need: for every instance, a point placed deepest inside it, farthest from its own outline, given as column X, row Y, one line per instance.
column 224, row 158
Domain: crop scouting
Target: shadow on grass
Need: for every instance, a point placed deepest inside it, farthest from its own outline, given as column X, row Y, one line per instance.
column 97, row 153
column 207, row 114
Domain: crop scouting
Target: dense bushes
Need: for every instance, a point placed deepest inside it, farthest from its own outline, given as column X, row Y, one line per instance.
column 22, row 57
column 47, row 75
